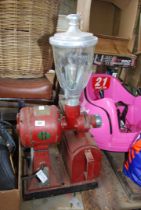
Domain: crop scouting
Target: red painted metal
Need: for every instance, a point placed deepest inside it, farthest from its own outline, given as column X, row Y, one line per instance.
column 39, row 126
column 42, row 127
column 74, row 120
column 82, row 156
column 89, row 164
column 41, row 159
column 72, row 113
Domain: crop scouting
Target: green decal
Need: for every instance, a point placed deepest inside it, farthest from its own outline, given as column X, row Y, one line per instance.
column 44, row 135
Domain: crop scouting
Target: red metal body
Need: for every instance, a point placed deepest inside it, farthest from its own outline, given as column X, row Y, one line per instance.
column 39, row 126
column 74, row 120
column 42, row 127
column 82, row 157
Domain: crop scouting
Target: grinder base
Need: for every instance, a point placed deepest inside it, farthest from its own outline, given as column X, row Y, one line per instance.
column 59, row 179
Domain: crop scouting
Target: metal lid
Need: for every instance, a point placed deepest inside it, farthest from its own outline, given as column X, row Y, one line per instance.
column 73, row 37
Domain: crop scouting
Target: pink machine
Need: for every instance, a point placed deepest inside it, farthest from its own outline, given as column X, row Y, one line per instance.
column 120, row 112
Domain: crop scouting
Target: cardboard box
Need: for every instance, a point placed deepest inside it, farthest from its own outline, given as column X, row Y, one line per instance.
column 133, row 77
column 113, row 46
column 10, row 199
column 50, row 76
column 115, row 18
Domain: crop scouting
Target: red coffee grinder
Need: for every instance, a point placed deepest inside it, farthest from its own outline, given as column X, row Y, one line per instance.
column 59, row 154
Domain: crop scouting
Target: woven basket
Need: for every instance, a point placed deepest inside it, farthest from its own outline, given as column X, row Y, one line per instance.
column 25, row 28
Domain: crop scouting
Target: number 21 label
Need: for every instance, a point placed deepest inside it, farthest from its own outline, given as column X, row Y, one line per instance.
column 102, row 82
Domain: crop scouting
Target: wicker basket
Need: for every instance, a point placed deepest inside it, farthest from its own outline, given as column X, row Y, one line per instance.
column 25, row 26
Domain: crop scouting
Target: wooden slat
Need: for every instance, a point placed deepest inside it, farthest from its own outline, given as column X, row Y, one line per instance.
column 113, row 46
column 83, row 7
column 139, row 35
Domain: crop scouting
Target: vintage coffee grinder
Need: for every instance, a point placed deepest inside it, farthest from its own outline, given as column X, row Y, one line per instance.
column 61, row 156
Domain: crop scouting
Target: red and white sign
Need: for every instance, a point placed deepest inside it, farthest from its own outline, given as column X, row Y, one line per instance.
column 101, row 82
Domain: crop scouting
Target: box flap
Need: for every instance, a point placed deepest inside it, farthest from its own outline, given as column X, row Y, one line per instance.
column 113, row 46
column 119, row 3
column 10, row 199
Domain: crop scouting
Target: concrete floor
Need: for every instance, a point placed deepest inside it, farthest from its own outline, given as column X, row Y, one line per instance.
column 110, row 195
column 62, row 202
